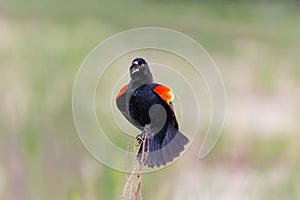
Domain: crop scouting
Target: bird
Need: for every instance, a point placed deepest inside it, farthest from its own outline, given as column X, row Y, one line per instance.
column 148, row 106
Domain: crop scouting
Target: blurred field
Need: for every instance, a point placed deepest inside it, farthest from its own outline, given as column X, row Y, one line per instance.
column 255, row 45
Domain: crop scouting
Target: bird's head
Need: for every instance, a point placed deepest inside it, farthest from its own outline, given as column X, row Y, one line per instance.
column 139, row 71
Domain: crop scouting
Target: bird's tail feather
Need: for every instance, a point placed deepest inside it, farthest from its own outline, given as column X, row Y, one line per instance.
column 163, row 147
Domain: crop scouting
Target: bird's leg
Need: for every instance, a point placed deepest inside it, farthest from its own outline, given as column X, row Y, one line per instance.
column 140, row 137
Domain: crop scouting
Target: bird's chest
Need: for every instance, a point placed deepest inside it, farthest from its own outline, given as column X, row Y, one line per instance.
column 140, row 103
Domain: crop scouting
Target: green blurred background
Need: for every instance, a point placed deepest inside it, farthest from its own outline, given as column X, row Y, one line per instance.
column 256, row 46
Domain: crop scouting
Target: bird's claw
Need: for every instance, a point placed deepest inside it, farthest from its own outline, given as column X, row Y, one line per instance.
column 140, row 138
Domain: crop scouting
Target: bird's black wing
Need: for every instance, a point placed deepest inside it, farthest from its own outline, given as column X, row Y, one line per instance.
column 123, row 106
column 166, row 95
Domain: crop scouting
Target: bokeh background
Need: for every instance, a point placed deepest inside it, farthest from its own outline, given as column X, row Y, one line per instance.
column 256, row 46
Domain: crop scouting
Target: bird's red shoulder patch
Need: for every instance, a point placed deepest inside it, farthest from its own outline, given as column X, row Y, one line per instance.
column 164, row 92
column 122, row 91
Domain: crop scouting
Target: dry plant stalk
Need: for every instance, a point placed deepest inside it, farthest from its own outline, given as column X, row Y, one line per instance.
column 132, row 190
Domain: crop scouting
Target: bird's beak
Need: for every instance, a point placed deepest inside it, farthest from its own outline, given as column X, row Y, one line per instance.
column 135, row 69
column 135, row 66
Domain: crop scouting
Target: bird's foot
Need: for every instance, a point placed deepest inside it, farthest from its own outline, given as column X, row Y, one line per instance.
column 140, row 138
column 147, row 133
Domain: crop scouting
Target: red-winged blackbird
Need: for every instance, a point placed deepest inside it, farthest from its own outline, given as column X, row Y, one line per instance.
column 144, row 102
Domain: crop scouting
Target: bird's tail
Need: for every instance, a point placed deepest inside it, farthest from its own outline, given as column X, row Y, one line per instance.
column 163, row 147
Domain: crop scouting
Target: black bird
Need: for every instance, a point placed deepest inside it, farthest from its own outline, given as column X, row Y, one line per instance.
column 147, row 104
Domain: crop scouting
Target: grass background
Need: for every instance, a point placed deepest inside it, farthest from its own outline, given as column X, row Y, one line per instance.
column 256, row 46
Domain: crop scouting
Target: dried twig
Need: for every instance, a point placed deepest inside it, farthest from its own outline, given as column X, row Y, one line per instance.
column 126, row 175
column 132, row 190
column 143, row 158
